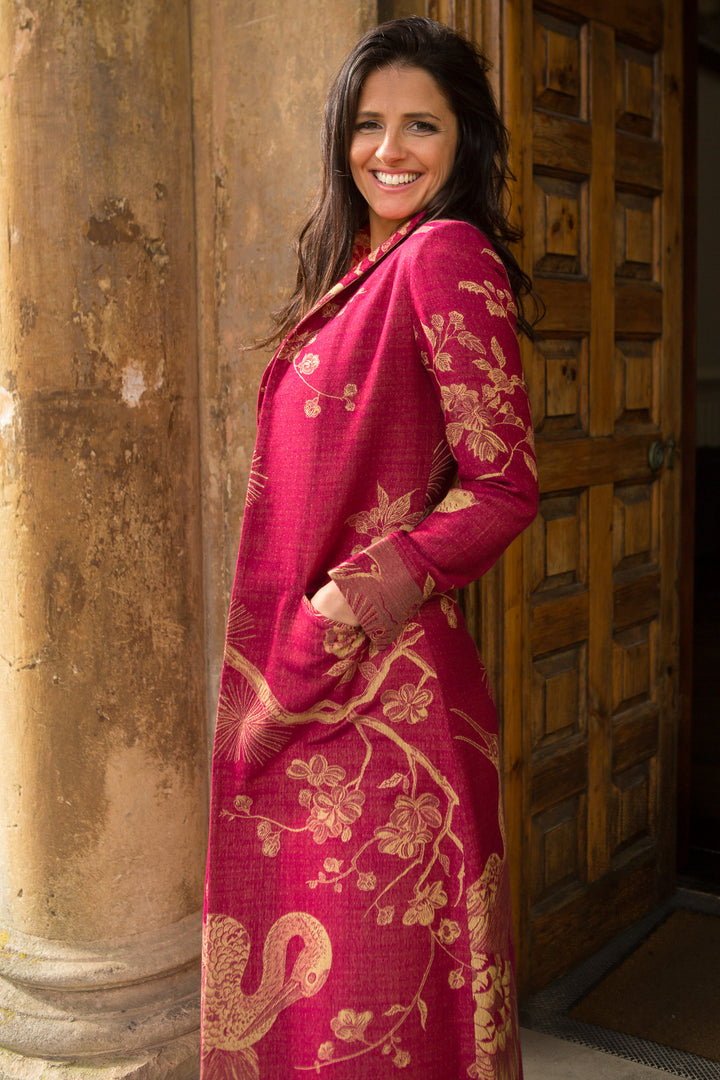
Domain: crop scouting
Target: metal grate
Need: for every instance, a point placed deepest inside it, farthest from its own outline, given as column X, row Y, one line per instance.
column 547, row 1011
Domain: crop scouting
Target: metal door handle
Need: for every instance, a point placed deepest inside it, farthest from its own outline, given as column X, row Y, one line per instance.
column 656, row 455
column 657, row 452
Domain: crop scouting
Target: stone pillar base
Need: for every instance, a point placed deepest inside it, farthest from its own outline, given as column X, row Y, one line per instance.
column 120, row 1009
column 180, row 1060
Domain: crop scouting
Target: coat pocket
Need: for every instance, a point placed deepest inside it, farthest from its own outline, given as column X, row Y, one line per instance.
column 344, row 628
column 318, row 650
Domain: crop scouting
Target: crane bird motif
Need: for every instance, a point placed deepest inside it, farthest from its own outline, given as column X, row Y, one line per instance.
column 233, row 1020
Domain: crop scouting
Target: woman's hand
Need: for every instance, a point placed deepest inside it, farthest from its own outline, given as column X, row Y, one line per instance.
column 331, row 603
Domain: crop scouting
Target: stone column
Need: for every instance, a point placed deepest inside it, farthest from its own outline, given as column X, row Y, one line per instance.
column 102, row 713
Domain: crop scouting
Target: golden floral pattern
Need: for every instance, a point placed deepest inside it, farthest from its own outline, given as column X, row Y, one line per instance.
column 426, row 903
column 256, row 480
column 356, row 770
column 333, row 812
column 499, row 301
column 350, row 1026
column 316, row 772
column 441, row 335
column 386, row 516
column 408, row 703
column 409, row 827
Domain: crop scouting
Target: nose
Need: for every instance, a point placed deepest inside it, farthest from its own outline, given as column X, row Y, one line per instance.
column 391, row 148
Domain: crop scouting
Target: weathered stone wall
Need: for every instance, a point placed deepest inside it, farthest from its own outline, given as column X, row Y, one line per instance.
column 261, row 72
column 102, row 699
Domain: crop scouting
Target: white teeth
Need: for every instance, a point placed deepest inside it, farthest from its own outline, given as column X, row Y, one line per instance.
column 394, row 179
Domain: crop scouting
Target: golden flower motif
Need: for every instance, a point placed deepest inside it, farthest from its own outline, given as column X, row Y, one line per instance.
column 449, row 610
column 317, row 773
column 409, row 826
column 343, row 641
column 350, row 1026
column 333, row 811
column 386, row 516
column 401, row 1059
column 271, row 845
column 312, row 407
column 367, row 882
column 473, row 419
column 448, row 932
column 326, row 1051
column 415, row 813
column 308, row 364
column 426, row 903
column 456, row 979
column 408, row 703
column 385, row 916
column 243, row 804
column 499, row 301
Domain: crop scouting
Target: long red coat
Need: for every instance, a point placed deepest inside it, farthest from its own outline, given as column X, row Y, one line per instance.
column 357, row 899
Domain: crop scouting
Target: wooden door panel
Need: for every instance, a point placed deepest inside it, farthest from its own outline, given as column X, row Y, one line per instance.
column 637, row 20
column 559, row 65
column 578, row 623
column 597, row 192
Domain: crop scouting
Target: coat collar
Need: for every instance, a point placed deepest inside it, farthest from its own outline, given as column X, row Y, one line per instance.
column 370, row 260
column 366, row 263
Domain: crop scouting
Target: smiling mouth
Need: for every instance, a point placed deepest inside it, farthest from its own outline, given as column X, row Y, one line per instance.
column 396, row 179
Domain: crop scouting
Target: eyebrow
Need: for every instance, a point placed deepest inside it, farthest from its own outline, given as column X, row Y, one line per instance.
column 406, row 116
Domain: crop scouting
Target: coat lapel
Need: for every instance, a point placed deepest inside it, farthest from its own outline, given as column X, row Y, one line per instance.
column 364, row 266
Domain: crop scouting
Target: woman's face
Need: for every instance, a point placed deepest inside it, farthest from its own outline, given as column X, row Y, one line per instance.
column 403, row 145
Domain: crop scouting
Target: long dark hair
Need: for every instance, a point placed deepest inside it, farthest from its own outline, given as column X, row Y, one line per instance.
column 476, row 192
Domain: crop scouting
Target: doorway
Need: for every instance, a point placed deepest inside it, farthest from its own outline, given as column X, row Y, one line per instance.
column 703, row 866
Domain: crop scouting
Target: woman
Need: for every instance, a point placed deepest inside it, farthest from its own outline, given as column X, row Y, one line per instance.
column 357, row 902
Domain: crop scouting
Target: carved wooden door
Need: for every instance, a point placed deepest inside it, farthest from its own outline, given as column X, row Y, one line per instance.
column 591, row 90
column 578, row 624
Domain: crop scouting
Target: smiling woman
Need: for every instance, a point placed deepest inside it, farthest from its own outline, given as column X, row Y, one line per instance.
column 403, row 146
column 356, row 774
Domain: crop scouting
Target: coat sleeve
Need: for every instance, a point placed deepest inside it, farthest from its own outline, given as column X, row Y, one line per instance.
column 464, row 323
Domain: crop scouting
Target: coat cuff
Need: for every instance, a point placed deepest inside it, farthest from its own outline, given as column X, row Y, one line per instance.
column 380, row 590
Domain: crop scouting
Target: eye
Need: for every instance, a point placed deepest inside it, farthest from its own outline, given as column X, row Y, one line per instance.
column 423, row 127
column 367, row 125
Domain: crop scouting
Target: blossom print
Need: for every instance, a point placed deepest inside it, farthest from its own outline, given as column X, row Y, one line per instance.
column 307, row 365
column 333, row 812
column 472, row 421
column 426, row 903
column 440, row 335
column 448, row 931
column 350, row 1026
column 386, row 516
column 499, row 301
column 317, row 772
column 357, row 895
column 410, row 826
column 408, row 703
